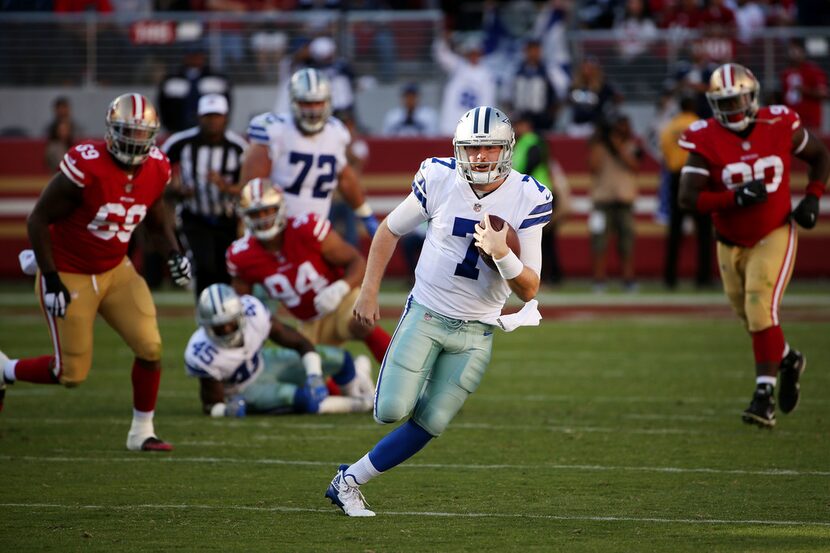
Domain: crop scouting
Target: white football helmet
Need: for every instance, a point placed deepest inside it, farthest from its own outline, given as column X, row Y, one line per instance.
column 262, row 208
column 733, row 96
column 308, row 88
column 483, row 126
column 132, row 125
column 219, row 311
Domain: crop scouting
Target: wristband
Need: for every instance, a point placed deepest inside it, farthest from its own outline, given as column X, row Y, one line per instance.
column 365, row 210
column 313, row 363
column 816, row 188
column 509, row 266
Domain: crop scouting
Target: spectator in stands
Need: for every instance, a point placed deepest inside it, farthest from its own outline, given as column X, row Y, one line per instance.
column 322, row 56
column 596, row 14
column 613, row 159
column 471, row 83
column 180, row 90
column 591, row 98
column 410, row 118
column 718, row 18
column 675, row 158
column 635, row 30
column 682, row 14
column 531, row 156
column 751, row 20
column 206, row 160
column 693, row 77
column 61, row 133
column 532, row 92
column 804, row 86
column 551, row 27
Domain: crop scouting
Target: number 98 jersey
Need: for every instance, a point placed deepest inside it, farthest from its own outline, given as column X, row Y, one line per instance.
column 734, row 161
column 305, row 166
column 94, row 237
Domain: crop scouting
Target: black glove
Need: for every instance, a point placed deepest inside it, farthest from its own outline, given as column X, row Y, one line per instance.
column 179, row 267
column 56, row 296
column 806, row 212
column 752, row 193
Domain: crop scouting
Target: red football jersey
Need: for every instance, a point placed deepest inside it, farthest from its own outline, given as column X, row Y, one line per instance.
column 294, row 274
column 793, row 81
column 733, row 161
column 94, row 238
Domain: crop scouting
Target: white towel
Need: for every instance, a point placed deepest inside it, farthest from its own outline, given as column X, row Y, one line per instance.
column 527, row 316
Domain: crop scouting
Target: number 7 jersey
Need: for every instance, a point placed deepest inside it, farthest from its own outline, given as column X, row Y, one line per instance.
column 734, row 161
column 94, row 237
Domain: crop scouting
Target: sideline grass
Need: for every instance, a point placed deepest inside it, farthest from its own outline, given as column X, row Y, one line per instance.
column 584, row 436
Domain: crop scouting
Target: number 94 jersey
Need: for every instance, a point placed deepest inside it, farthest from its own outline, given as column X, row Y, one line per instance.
column 94, row 237
column 305, row 166
column 734, row 161
column 236, row 367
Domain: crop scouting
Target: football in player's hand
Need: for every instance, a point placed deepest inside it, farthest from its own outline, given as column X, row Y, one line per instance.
column 512, row 240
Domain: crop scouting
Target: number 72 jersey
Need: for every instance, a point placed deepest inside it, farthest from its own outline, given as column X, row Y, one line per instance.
column 733, row 161
column 94, row 237
column 305, row 167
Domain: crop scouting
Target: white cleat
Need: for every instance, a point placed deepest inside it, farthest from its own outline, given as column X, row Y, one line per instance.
column 347, row 497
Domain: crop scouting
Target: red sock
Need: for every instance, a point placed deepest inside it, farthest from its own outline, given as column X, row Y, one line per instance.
column 146, row 377
column 36, row 369
column 768, row 345
column 378, row 342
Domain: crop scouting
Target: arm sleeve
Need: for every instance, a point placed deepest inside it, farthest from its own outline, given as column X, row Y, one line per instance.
column 445, row 57
column 531, row 242
column 407, row 216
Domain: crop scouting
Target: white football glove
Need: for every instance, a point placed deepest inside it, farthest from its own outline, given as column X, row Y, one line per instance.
column 492, row 242
column 179, row 266
column 55, row 295
column 330, row 297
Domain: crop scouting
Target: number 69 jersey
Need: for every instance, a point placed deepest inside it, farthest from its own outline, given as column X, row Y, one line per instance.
column 734, row 161
column 294, row 274
column 236, row 367
column 306, row 167
column 450, row 276
column 95, row 236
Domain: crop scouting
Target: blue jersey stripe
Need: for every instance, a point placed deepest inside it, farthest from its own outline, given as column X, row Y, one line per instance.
column 536, row 221
column 257, row 128
column 196, row 371
column 418, row 195
column 541, row 208
column 258, row 136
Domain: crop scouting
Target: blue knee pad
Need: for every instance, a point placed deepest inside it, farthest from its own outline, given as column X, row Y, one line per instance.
column 304, row 402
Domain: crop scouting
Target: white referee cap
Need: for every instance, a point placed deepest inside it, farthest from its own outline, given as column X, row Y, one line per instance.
column 213, row 103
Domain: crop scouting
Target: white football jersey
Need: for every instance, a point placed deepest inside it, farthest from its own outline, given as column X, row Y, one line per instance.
column 306, row 167
column 450, row 277
column 238, row 367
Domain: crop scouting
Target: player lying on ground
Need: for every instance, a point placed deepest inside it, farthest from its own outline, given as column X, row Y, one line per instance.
column 226, row 354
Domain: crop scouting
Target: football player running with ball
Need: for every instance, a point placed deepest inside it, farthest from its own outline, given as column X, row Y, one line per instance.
column 304, row 264
column 304, row 152
column 226, row 354
column 739, row 171
column 442, row 345
column 80, row 229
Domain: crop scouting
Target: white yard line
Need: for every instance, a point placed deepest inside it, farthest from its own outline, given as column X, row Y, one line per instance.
column 535, row 516
column 419, row 466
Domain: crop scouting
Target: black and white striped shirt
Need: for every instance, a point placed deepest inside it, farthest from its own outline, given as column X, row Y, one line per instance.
column 196, row 159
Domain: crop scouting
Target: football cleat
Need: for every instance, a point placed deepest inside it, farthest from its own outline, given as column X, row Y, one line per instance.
column 349, row 498
column 789, row 372
column 3, row 360
column 761, row 410
column 136, row 442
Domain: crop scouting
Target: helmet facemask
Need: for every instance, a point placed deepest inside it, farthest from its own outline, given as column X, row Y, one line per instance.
column 132, row 125
column 219, row 311
column 310, row 93
column 483, row 127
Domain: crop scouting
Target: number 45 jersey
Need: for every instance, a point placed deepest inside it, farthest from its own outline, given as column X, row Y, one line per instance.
column 294, row 274
column 734, row 161
column 95, row 236
column 304, row 166
column 236, row 367
column 450, row 277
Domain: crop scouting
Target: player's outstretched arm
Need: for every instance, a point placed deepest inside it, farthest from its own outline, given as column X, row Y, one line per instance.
column 160, row 223
column 60, row 198
column 353, row 193
column 211, row 392
column 256, row 163
column 366, row 309
column 289, row 337
column 340, row 253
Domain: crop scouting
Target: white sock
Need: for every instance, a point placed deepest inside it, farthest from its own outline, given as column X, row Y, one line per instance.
column 8, row 370
column 361, row 471
column 765, row 380
column 142, row 422
column 786, row 350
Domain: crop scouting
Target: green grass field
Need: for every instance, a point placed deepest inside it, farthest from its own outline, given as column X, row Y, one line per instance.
column 586, row 435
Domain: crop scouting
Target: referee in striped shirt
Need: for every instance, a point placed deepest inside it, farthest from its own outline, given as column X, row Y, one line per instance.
column 206, row 161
